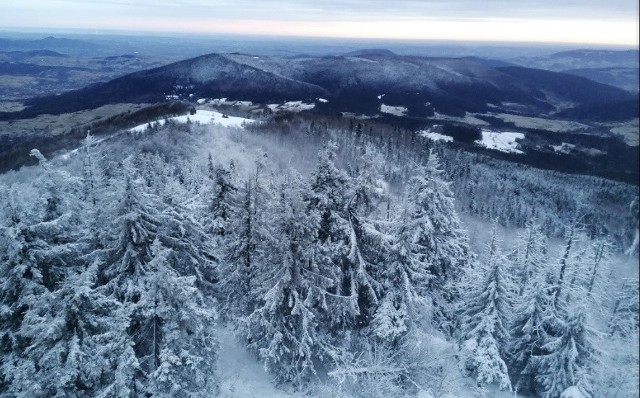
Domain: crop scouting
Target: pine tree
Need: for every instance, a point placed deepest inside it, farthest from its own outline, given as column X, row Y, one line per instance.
column 484, row 335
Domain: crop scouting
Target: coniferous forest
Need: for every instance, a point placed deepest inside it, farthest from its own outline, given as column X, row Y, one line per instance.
column 349, row 259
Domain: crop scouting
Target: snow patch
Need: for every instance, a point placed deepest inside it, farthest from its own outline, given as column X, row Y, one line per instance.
column 572, row 392
column 563, row 148
column 324, row 101
column 291, row 106
column 435, row 136
column 503, row 142
column 202, row 117
column 393, row 110
column 226, row 102
column 240, row 373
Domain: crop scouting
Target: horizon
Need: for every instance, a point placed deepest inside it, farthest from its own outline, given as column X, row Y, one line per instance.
column 540, row 22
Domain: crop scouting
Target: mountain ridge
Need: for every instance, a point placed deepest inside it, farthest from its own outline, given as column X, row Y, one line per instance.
column 423, row 84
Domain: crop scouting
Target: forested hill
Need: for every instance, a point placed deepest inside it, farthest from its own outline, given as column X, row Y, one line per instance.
column 343, row 260
column 353, row 83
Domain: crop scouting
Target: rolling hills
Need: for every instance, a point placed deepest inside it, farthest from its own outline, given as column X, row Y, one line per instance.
column 358, row 83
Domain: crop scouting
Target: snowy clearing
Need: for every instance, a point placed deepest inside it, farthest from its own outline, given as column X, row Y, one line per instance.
column 558, row 126
column 226, row 102
column 503, row 142
column 393, row 110
column 563, row 148
column 435, row 136
column 291, row 106
column 468, row 118
column 202, row 117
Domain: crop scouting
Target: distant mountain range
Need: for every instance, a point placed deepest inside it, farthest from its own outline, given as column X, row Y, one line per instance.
column 614, row 67
column 50, row 43
column 357, row 82
column 581, row 59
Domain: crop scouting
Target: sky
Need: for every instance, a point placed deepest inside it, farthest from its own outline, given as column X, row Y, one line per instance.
column 603, row 22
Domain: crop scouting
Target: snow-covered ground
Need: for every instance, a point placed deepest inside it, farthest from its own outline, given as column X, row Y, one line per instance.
column 563, row 148
column 435, row 136
column 226, row 102
column 541, row 123
column 202, row 117
column 291, row 106
column 393, row 110
column 468, row 118
column 500, row 141
column 241, row 375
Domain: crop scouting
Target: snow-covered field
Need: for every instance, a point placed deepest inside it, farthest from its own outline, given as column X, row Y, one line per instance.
column 393, row 110
column 628, row 131
column 291, row 106
column 202, row 117
column 435, row 136
column 504, row 142
column 468, row 119
column 541, row 123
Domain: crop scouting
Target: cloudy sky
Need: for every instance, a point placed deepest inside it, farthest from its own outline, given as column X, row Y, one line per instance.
column 557, row 21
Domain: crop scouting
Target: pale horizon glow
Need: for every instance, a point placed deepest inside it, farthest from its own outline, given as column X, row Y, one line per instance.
column 456, row 20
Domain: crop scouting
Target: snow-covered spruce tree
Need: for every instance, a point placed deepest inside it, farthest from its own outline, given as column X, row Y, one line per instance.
column 598, row 262
column 484, row 319
column 70, row 339
column 568, row 358
column 37, row 247
column 195, row 254
column 406, row 276
column 362, row 268
column 243, row 255
column 625, row 318
column 176, row 347
column 440, row 240
column 529, row 256
column 326, row 201
column 93, row 195
column 221, row 203
column 527, row 333
column 283, row 328
column 568, row 262
column 167, row 324
column 618, row 373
